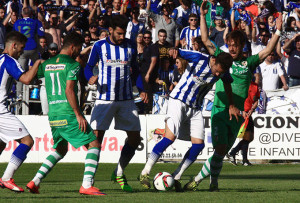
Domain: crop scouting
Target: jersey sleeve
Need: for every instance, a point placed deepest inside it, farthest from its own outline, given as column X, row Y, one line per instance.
column 14, row 69
column 41, row 73
column 73, row 72
column 182, row 34
column 253, row 62
column 227, row 77
column 40, row 30
column 218, row 51
column 191, row 56
column 280, row 69
column 93, row 59
column 174, row 14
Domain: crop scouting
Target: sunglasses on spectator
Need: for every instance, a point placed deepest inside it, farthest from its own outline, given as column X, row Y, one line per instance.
column 147, row 37
column 265, row 35
column 93, row 27
column 193, row 19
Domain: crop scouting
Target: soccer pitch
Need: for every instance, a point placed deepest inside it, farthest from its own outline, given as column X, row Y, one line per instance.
column 258, row 183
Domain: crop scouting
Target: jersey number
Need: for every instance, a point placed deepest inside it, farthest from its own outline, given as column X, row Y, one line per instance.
column 52, row 76
column 26, row 30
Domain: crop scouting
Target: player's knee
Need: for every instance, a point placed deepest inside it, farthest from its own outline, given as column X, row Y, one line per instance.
column 27, row 140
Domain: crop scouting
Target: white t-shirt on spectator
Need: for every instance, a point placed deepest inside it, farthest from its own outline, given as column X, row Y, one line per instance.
column 270, row 75
column 256, row 47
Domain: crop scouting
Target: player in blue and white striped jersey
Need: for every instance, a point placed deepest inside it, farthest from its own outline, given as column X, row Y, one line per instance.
column 11, row 127
column 184, row 115
column 188, row 33
column 115, row 56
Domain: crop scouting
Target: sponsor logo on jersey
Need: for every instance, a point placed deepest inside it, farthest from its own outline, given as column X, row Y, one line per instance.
column 58, row 101
column 52, row 67
column 58, row 123
column 198, row 80
column 112, row 62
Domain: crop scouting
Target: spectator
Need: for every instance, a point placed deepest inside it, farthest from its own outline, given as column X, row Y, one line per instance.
column 143, row 17
column 103, row 34
column 296, row 15
column 152, row 29
column 134, row 26
column 217, row 32
column 163, row 78
column 181, row 13
column 116, row 7
column 93, row 31
column 53, row 49
column 30, row 28
column 140, row 48
column 270, row 71
column 87, row 40
column 166, row 23
column 190, row 32
column 181, row 65
column 258, row 45
column 10, row 20
column 101, row 23
column 150, row 60
column 294, row 60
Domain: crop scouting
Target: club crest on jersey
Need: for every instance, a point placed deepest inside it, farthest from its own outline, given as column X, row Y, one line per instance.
column 244, row 63
column 198, row 80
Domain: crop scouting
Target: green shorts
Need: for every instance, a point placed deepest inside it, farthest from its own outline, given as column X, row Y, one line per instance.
column 66, row 129
column 223, row 130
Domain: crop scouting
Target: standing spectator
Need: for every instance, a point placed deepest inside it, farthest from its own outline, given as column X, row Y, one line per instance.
column 259, row 44
column 214, row 8
column 150, row 60
column 116, row 7
column 294, row 60
column 30, row 28
column 10, row 20
column 140, row 45
column 271, row 70
column 190, row 32
column 143, row 17
column 152, row 29
column 134, row 26
column 217, row 32
column 93, row 31
column 181, row 65
column 166, row 23
column 296, row 15
column 181, row 13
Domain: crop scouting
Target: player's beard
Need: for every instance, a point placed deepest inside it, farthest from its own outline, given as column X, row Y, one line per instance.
column 116, row 40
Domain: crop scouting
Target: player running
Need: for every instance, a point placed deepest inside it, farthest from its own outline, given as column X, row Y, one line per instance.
column 223, row 130
column 116, row 56
column 66, row 120
column 184, row 115
column 11, row 127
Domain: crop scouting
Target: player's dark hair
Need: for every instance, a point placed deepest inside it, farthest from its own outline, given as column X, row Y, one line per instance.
column 162, row 31
column 119, row 21
column 16, row 37
column 187, row 3
column 237, row 36
column 225, row 60
column 73, row 38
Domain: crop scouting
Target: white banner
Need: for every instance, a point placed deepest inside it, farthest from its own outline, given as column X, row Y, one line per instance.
column 283, row 102
column 38, row 127
column 275, row 137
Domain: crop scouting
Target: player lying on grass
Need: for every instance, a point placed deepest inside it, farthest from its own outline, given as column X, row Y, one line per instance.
column 66, row 120
column 184, row 115
column 11, row 127
column 223, row 130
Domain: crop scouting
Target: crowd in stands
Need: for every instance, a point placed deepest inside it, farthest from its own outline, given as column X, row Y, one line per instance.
column 154, row 26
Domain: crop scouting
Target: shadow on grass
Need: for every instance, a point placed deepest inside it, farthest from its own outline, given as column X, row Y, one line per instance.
column 265, row 177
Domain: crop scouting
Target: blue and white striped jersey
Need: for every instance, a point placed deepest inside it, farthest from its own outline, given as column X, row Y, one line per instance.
column 9, row 69
column 187, row 33
column 197, row 79
column 114, row 63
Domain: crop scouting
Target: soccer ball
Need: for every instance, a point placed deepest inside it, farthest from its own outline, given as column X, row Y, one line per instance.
column 163, row 181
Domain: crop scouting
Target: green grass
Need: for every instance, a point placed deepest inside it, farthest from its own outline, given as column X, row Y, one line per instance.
column 259, row 183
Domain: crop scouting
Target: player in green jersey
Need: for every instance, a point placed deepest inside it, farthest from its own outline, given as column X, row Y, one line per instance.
column 224, row 129
column 66, row 120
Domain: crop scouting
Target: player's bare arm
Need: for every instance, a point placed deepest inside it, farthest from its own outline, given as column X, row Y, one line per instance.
column 233, row 111
column 93, row 80
column 71, row 96
column 203, row 28
column 271, row 45
column 29, row 75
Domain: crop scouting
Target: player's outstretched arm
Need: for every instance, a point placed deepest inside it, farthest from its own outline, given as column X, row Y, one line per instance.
column 203, row 28
column 233, row 111
column 29, row 75
column 71, row 96
column 271, row 45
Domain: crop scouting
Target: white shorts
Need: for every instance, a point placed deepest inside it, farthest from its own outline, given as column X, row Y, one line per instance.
column 124, row 112
column 11, row 127
column 184, row 121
